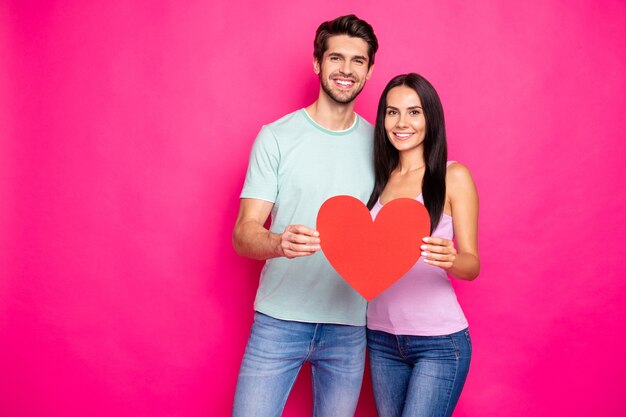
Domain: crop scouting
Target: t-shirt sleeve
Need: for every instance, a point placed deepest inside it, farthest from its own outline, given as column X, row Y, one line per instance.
column 262, row 176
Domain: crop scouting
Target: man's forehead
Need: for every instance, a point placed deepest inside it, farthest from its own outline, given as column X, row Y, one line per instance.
column 346, row 45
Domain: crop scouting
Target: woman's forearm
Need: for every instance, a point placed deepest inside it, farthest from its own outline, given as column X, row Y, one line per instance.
column 466, row 266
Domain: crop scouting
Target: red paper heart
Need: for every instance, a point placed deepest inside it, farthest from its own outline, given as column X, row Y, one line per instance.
column 372, row 255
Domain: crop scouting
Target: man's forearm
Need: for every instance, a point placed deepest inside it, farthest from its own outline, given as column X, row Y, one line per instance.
column 252, row 240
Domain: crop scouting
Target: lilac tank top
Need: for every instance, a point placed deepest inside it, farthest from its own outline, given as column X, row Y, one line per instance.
column 422, row 302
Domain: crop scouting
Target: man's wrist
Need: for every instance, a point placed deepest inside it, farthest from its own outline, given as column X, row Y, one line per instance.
column 275, row 240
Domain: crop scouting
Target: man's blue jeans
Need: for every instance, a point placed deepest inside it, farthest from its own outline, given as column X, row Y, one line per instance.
column 276, row 351
column 418, row 375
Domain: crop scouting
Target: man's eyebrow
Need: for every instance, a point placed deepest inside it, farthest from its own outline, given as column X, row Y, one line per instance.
column 364, row 58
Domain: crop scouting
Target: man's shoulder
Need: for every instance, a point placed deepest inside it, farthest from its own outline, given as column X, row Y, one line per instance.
column 365, row 124
column 286, row 120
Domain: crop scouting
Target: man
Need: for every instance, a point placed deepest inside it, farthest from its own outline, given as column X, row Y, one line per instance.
column 304, row 310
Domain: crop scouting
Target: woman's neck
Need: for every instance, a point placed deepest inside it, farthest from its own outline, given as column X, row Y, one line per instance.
column 411, row 161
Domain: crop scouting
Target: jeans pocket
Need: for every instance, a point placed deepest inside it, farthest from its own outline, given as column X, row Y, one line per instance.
column 469, row 340
column 455, row 346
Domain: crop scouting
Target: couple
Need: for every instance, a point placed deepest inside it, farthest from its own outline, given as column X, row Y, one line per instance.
column 417, row 335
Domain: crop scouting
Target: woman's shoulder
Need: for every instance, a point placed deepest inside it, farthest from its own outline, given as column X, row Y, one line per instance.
column 457, row 169
column 458, row 176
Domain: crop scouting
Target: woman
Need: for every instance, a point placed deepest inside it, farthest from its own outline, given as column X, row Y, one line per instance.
column 418, row 339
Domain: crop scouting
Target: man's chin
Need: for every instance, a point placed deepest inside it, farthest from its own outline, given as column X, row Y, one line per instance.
column 341, row 98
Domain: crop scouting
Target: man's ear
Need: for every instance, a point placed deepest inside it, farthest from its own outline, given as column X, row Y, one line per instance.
column 316, row 66
column 369, row 72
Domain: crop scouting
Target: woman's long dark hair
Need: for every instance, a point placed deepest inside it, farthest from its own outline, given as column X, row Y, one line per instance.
column 386, row 157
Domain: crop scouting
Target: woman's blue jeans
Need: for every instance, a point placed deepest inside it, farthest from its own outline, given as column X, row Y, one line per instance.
column 276, row 351
column 418, row 375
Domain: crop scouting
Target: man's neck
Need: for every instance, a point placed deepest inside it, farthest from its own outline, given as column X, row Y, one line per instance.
column 332, row 115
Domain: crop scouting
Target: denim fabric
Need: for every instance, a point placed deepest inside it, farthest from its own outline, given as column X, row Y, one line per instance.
column 418, row 375
column 276, row 351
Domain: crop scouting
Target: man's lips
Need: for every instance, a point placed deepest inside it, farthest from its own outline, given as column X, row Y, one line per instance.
column 344, row 83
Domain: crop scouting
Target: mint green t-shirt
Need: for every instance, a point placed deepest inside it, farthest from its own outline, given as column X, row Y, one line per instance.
column 297, row 165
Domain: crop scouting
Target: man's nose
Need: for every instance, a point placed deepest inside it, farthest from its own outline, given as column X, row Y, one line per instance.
column 346, row 68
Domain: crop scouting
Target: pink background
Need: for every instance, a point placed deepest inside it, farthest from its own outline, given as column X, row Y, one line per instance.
column 125, row 131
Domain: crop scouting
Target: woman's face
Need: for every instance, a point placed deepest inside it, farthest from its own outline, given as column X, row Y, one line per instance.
column 404, row 119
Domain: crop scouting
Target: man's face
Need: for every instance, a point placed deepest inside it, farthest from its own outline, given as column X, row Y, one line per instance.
column 344, row 68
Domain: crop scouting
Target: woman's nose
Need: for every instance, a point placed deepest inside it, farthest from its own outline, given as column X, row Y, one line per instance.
column 402, row 121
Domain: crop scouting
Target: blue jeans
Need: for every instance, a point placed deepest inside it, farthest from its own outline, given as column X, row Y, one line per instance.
column 418, row 375
column 276, row 351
